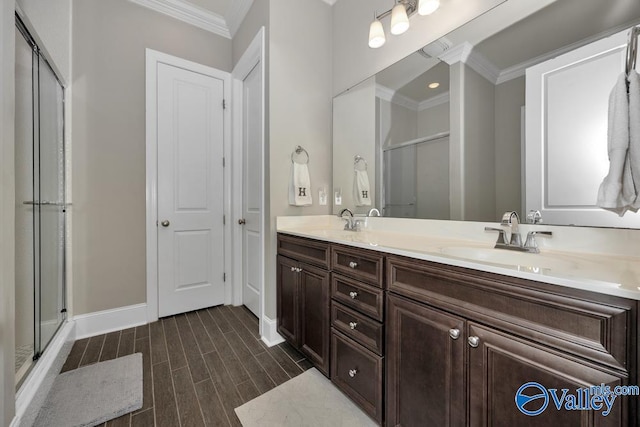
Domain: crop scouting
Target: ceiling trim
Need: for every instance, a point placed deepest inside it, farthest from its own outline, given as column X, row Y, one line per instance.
column 459, row 53
column 190, row 14
column 238, row 9
column 393, row 97
column 481, row 65
column 330, row 2
column 434, row 101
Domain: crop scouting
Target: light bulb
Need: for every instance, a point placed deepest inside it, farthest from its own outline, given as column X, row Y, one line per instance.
column 399, row 19
column 427, row 7
column 376, row 35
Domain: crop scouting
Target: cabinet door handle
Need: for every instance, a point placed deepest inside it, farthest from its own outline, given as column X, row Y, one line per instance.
column 353, row 325
column 353, row 264
column 353, row 294
column 454, row 333
column 353, row 372
column 473, row 341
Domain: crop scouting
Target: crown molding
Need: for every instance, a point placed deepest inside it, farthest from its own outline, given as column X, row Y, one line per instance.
column 238, row 9
column 434, row 101
column 190, row 14
column 393, row 97
column 480, row 64
column 459, row 53
column 330, row 2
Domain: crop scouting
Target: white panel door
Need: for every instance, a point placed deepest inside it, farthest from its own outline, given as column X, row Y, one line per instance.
column 252, row 191
column 190, row 191
column 566, row 133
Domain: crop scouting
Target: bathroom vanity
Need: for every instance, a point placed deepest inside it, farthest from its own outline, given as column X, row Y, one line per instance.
column 417, row 337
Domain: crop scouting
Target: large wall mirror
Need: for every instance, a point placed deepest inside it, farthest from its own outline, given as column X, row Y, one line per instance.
column 489, row 119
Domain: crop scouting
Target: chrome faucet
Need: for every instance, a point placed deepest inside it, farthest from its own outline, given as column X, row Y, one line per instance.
column 352, row 224
column 373, row 211
column 511, row 220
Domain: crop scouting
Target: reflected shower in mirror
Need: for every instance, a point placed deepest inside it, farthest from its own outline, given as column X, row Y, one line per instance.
column 449, row 133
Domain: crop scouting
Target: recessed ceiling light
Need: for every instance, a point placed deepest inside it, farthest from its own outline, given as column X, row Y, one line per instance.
column 434, row 85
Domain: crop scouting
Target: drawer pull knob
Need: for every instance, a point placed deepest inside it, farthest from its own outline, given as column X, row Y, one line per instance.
column 293, row 269
column 353, row 325
column 474, row 341
column 299, row 270
column 353, row 264
column 454, row 333
column 353, row 372
column 353, row 294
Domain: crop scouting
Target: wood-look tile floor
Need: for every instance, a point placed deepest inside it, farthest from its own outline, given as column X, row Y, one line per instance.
column 197, row 367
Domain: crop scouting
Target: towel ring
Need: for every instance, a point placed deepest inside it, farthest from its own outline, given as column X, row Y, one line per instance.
column 299, row 150
column 359, row 159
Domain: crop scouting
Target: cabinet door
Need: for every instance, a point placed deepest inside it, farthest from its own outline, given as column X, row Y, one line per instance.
column 425, row 366
column 315, row 315
column 500, row 365
column 287, row 296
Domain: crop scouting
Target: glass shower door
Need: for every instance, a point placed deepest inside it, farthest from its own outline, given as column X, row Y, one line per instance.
column 50, row 220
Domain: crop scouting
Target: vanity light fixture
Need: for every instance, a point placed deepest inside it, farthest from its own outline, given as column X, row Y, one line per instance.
column 400, row 14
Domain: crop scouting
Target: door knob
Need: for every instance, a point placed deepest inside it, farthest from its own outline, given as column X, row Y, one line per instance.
column 242, row 221
column 353, row 372
column 353, row 264
column 473, row 341
column 353, row 325
column 454, row 333
column 353, row 294
column 165, row 223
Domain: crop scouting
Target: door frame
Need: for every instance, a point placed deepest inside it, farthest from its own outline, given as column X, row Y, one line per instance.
column 253, row 55
column 153, row 58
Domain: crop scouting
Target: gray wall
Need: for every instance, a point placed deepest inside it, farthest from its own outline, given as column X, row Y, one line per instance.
column 109, row 42
column 509, row 98
column 300, row 84
column 7, row 210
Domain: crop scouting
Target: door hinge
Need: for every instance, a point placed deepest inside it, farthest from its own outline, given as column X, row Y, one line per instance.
column 64, row 310
column 224, row 104
column 224, row 219
column 224, row 277
column 223, row 162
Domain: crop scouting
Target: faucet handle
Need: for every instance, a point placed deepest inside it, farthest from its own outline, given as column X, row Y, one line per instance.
column 502, row 236
column 531, row 243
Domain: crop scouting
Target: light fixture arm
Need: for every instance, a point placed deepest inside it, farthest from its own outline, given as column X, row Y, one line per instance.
column 410, row 5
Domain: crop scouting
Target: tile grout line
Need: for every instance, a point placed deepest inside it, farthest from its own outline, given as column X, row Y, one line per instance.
column 173, row 386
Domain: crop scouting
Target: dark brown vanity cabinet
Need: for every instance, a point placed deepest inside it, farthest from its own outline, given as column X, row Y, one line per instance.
column 303, row 296
column 460, row 343
column 357, row 337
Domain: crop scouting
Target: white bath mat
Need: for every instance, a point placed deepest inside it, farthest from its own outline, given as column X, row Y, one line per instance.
column 309, row 399
column 94, row 394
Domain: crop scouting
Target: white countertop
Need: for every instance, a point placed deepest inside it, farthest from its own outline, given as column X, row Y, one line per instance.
column 612, row 274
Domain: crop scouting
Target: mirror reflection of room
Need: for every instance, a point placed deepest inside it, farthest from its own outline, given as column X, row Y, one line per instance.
column 450, row 129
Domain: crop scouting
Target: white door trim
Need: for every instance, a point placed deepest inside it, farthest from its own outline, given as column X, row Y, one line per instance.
column 250, row 58
column 153, row 58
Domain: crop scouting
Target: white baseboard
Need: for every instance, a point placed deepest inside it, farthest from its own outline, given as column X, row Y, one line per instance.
column 102, row 322
column 270, row 334
column 31, row 395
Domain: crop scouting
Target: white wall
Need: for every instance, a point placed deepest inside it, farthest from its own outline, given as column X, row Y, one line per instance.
column 51, row 20
column 7, row 211
column 108, row 246
column 401, row 123
column 354, row 61
column 432, row 180
column 299, row 111
column 354, row 128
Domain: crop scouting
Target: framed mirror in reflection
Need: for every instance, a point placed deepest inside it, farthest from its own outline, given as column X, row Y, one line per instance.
column 496, row 116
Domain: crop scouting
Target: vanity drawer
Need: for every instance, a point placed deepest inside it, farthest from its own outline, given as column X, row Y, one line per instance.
column 593, row 326
column 365, row 331
column 358, row 373
column 360, row 264
column 364, row 298
column 307, row 250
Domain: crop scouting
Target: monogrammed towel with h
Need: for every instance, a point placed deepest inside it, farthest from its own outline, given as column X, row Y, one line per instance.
column 361, row 188
column 300, row 186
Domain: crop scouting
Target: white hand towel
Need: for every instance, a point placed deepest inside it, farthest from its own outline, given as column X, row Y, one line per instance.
column 634, row 136
column 300, row 186
column 617, row 191
column 361, row 188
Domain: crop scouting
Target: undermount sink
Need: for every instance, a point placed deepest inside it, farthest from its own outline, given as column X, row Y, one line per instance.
column 521, row 260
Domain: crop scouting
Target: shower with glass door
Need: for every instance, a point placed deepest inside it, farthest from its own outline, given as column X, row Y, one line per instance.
column 40, row 203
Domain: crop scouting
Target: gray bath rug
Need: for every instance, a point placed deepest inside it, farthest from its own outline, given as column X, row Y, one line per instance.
column 94, row 394
column 309, row 399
